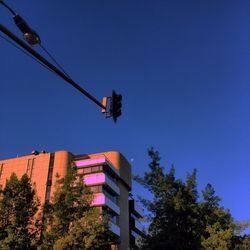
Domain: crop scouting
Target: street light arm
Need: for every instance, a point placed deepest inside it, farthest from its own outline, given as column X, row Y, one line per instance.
column 32, row 38
column 48, row 64
column 7, row 7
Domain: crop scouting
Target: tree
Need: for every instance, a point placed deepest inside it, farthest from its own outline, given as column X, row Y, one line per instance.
column 70, row 220
column 174, row 209
column 246, row 242
column 218, row 225
column 19, row 227
column 87, row 233
column 177, row 219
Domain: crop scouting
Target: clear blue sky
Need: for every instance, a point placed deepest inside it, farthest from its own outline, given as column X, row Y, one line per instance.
column 181, row 66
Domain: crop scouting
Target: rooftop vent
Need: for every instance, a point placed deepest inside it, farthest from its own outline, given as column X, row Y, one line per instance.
column 35, row 152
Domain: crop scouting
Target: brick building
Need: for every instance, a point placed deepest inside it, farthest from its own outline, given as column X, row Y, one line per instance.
column 108, row 174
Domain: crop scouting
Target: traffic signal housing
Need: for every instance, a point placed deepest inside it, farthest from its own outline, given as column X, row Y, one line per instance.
column 116, row 105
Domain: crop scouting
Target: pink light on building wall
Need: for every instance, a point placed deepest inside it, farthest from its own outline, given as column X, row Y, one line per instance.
column 92, row 179
column 99, row 199
column 89, row 162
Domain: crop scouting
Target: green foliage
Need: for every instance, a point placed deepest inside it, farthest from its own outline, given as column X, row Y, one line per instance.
column 246, row 242
column 19, row 226
column 87, row 233
column 241, row 243
column 218, row 238
column 70, row 220
column 178, row 220
column 217, row 222
column 174, row 209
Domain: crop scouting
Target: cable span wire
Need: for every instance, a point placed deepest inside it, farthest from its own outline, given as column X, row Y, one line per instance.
column 43, row 48
column 6, row 6
column 27, row 54
column 54, row 60
column 35, row 54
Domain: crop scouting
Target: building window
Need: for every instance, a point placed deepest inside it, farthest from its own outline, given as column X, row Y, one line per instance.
column 80, row 171
column 51, row 165
column 47, row 195
column 95, row 169
column 1, row 170
column 96, row 189
column 87, row 170
column 50, row 176
column 30, row 167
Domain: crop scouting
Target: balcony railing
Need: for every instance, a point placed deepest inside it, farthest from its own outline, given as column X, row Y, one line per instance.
column 95, row 161
column 136, row 235
column 138, row 208
column 115, row 229
column 90, row 162
column 112, row 205
column 101, row 178
column 101, row 200
column 138, row 225
column 112, row 185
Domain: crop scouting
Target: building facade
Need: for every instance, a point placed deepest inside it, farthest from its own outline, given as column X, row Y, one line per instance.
column 107, row 174
column 136, row 229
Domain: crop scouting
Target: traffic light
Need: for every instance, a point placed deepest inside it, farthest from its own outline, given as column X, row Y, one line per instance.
column 104, row 104
column 116, row 105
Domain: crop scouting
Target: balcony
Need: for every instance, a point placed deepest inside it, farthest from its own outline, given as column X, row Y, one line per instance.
column 138, row 225
column 112, row 185
column 136, row 209
column 101, row 200
column 114, row 228
column 96, row 161
column 134, row 234
column 101, row 178
column 90, row 162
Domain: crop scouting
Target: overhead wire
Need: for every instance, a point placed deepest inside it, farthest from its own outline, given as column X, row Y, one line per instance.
column 50, row 65
column 27, row 54
column 54, row 60
column 41, row 46
column 23, row 51
column 38, row 58
column 8, row 7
